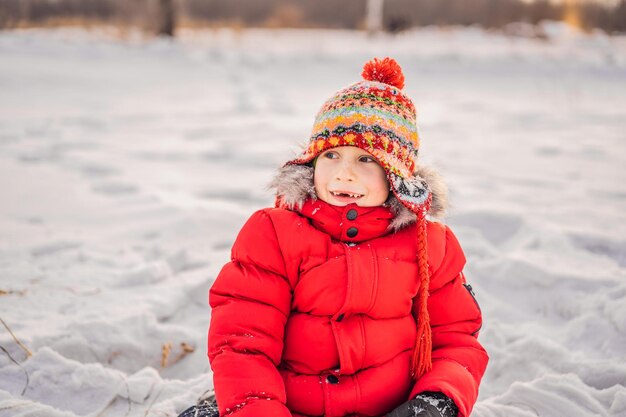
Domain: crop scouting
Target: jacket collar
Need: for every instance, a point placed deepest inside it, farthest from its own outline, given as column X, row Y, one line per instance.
column 349, row 223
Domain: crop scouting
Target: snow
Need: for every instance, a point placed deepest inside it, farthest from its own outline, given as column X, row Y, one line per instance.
column 128, row 166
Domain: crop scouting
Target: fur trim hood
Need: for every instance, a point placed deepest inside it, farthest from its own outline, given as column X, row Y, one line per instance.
column 294, row 185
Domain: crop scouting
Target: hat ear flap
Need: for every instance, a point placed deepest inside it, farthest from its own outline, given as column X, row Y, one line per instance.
column 413, row 192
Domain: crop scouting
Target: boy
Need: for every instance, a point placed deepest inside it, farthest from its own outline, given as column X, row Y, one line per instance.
column 344, row 300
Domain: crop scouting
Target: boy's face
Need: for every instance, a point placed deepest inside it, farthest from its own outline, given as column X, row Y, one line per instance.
column 348, row 174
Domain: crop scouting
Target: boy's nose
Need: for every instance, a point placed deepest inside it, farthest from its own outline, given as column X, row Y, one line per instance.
column 346, row 172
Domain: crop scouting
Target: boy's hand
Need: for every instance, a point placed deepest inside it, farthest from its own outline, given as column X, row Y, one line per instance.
column 426, row 404
column 201, row 410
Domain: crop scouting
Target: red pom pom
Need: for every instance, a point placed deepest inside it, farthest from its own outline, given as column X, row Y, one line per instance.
column 386, row 71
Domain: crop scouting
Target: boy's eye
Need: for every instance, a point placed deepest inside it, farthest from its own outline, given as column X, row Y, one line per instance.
column 330, row 155
column 365, row 158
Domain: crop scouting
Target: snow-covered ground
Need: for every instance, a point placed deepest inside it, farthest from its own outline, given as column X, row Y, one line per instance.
column 127, row 168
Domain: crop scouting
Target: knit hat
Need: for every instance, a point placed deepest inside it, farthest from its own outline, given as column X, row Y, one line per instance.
column 378, row 117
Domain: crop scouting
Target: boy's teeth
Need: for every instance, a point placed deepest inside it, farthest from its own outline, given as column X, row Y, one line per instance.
column 347, row 194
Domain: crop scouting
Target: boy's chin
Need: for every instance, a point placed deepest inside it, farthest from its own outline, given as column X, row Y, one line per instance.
column 341, row 201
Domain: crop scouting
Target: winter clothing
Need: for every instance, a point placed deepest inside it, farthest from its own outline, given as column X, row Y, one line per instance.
column 427, row 404
column 307, row 320
column 206, row 406
column 335, row 311
column 376, row 116
column 202, row 410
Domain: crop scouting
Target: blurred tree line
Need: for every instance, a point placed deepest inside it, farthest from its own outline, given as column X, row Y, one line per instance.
column 162, row 16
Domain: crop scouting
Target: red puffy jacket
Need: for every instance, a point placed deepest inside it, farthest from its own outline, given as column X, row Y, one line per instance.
column 307, row 321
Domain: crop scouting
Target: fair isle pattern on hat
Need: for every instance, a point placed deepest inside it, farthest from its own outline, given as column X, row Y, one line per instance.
column 415, row 192
column 371, row 115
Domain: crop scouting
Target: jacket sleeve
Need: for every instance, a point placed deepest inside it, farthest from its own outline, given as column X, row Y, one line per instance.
column 459, row 360
column 250, row 302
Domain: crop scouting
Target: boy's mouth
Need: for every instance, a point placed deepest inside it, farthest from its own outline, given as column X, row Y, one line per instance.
column 345, row 194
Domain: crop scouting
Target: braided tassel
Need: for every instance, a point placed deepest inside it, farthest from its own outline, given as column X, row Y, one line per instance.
column 422, row 361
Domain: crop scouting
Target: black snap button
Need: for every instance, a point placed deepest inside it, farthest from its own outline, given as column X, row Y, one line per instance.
column 352, row 232
column 332, row 379
column 340, row 317
column 351, row 214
